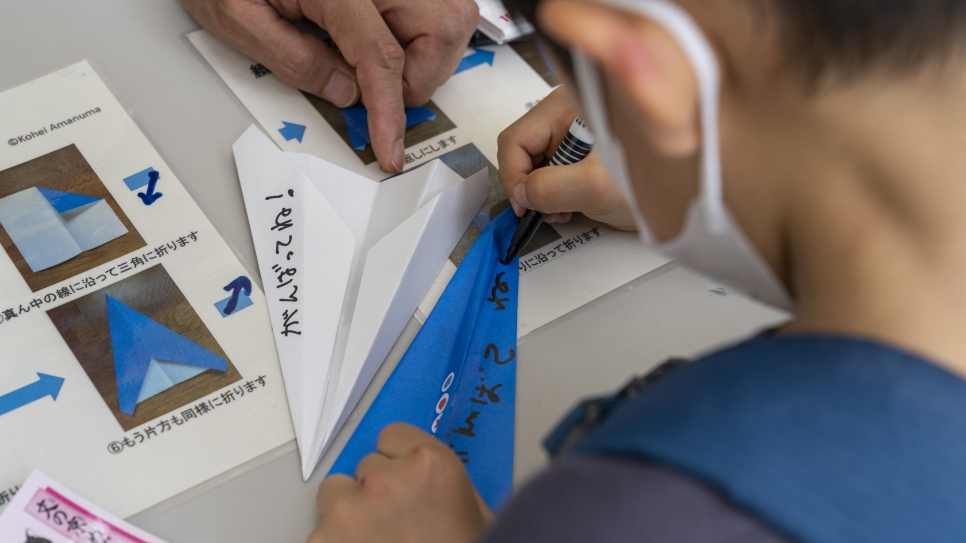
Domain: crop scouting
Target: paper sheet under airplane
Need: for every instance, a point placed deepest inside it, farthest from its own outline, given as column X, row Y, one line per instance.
column 344, row 261
column 493, row 87
column 136, row 355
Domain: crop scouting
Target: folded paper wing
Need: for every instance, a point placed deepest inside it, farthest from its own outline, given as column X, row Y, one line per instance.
column 366, row 253
column 150, row 358
column 50, row 227
column 399, row 270
column 322, row 249
column 458, row 378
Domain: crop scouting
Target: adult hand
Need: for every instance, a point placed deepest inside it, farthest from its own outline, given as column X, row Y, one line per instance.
column 414, row 489
column 394, row 52
column 585, row 187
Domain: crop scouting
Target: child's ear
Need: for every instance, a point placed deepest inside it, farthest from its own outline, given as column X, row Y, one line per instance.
column 644, row 59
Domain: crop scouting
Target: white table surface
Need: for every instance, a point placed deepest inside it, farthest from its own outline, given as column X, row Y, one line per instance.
column 192, row 119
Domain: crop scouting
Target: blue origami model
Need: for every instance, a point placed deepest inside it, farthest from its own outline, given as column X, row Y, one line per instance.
column 150, row 358
column 357, row 121
column 50, row 227
column 458, row 378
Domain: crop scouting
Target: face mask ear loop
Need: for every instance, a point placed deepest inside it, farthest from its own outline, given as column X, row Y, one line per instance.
column 592, row 92
column 590, row 89
column 709, row 86
column 704, row 62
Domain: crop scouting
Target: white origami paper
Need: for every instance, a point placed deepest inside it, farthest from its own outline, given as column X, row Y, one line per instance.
column 366, row 252
column 50, row 227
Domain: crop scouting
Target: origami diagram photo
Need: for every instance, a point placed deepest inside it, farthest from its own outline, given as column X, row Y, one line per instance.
column 352, row 124
column 58, row 219
column 144, row 347
column 50, row 227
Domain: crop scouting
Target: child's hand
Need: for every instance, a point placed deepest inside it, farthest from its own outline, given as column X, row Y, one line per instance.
column 415, row 489
column 558, row 190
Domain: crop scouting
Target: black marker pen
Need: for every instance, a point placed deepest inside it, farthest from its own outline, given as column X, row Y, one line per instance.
column 574, row 148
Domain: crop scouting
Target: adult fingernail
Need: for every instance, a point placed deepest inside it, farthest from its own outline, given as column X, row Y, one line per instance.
column 399, row 155
column 519, row 211
column 341, row 90
column 520, row 195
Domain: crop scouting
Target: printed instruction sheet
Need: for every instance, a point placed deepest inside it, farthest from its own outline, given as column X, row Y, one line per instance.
column 138, row 358
column 492, row 87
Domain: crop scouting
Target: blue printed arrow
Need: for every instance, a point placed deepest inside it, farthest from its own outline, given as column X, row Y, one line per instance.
column 480, row 56
column 149, row 196
column 292, row 131
column 48, row 385
column 240, row 284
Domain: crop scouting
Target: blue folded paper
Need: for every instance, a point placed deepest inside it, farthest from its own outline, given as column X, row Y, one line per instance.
column 150, row 358
column 458, row 378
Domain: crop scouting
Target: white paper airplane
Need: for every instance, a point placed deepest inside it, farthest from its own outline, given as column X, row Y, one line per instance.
column 364, row 253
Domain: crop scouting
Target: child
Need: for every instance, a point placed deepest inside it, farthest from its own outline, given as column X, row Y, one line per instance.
column 810, row 153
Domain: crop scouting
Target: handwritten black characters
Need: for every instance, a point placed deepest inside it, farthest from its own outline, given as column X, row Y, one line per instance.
column 279, row 223
column 279, row 244
column 286, row 275
column 461, row 454
column 291, row 298
column 470, row 425
column 287, row 323
column 290, row 193
column 282, row 273
column 501, row 287
column 491, row 348
column 490, row 393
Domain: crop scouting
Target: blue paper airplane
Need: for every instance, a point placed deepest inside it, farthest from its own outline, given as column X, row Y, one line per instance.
column 150, row 358
column 357, row 121
column 457, row 380
column 479, row 56
column 292, row 131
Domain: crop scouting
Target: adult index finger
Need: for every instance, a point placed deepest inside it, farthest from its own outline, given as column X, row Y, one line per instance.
column 367, row 44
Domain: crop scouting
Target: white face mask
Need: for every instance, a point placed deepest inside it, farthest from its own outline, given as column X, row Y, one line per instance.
column 710, row 243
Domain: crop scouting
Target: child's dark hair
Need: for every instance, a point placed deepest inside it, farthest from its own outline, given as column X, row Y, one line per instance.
column 841, row 38
column 838, row 39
